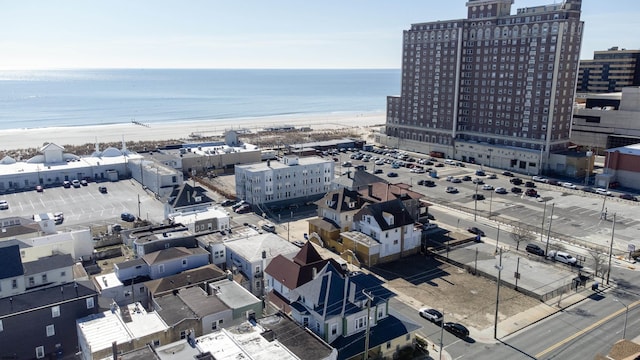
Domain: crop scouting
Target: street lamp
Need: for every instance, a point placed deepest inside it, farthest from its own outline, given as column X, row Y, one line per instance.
column 499, row 268
column 626, row 313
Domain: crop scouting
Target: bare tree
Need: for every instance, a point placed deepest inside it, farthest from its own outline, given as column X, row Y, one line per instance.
column 600, row 265
column 520, row 234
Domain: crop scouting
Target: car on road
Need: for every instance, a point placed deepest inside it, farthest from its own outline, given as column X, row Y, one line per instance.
column 439, row 165
column 569, row 185
column 531, row 192
column 4, row 205
column 125, row 216
column 478, row 181
column 492, row 176
column 432, row 315
column 603, row 191
column 66, row 184
column 588, row 189
column 501, row 190
column 480, row 173
column 102, row 189
column 227, row 202
column 75, row 183
column 562, row 257
column 534, row 249
column 516, row 190
column 451, row 190
column 539, row 179
column 39, row 188
column 269, row 228
column 529, row 184
column 507, row 173
column 487, row 187
column 392, row 174
column 347, row 164
column 456, row 329
column 456, row 180
column 628, row 197
column 477, row 197
column 516, row 181
column 475, row 230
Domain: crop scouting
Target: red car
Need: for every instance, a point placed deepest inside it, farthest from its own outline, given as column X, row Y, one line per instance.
column 531, row 192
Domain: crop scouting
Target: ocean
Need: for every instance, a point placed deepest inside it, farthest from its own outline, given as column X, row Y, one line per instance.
column 46, row 98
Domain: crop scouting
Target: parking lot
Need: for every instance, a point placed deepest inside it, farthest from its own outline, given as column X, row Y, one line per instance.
column 86, row 205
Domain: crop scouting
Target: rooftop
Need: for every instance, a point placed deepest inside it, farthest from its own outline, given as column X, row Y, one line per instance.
column 193, row 216
column 232, row 294
column 48, row 263
column 251, row 248
column 193, row 276
column 242, row 342
column 45, row 297
column 277, row 165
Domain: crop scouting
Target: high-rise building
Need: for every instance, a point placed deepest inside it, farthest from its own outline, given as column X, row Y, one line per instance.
column 609, row 71
column 495, row 88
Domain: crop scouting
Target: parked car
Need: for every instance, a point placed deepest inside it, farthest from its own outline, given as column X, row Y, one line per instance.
column 392, row 174
column 477, row 197
column 439, row 165
column 480, row 173
column 588, row 189
column 58, row 218
column 516, row 190
column 298, row 243
column 569, row 185
column 244, row 208
column 4, row 205
column 507, row 173
column 102, row 189
column 456, row 181
column 475, row 230
column 562, row 257
column 539, row 179
column 603, row 191
column 84, row 182
column 531, row 192
column 529, row 184
column 127, row 217
column 346, row 164
column 269, row 227
column 501, row 190
column 378, row 171
column 478, row 181
column 628, row 197
column 75, row 183
column 66, row 184
column 492, row 176
column 554, row 182
column 39, row 188
column 238, row 204
column 516, row 181
column 535, row 249
column 466, row 178
column 429, row 183
column 432, row 315
column 487, row 187
column 456, row 329
column 451, row 190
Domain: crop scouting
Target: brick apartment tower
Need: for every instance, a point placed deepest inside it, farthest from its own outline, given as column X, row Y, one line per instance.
column 495, row 89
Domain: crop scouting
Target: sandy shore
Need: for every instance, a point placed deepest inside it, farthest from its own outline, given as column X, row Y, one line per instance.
column 80, row 135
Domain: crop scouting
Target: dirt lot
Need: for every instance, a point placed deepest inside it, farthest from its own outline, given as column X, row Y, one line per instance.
column 468, row 298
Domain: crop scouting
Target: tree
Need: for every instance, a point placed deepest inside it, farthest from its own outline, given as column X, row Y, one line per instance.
column 599, row 257
column 520, row 234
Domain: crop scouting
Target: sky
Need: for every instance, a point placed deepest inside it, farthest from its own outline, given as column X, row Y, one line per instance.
column 287, row 34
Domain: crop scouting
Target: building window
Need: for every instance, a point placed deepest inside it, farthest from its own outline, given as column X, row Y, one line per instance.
column 44, row 278
column 90, row 303
column 32, row 281
column 161, row 268
column 40, row 352
column 51, row 330
column 388, row 344
column 14, row 284
column 361, row 322
column 334, row 329
column 156, row 343
column 183, row 334
column 63, row 273
column 184, row 262
column 1, row 327
column 55, row 311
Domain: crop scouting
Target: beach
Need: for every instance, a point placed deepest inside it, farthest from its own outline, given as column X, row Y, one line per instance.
column 79, row 135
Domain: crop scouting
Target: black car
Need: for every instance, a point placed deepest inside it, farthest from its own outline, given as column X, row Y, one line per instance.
column 439, row 165
column 429, row 183
column 530, row 184
column 392, row 174
column 127, row 217
column 477, row 197
column 628, row 197
column 480, row 173
column 475, row 230
column 534, row 249
column 456, row 329
column 588, row 189
column 378, row 171
column 466, row 178
column 506, row 173
column 102, row 189
column 516, row 190
column 421, row 182
column 516, row 181
column 227, row 203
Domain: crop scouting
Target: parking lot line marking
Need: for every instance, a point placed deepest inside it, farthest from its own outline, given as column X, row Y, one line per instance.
column 585, row 330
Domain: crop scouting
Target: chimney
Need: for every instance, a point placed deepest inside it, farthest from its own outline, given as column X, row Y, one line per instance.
column 370, row 190
column 114, row 350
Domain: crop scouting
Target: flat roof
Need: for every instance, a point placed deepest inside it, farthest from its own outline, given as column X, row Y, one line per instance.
column 277, row 165
column 107, row 281
column 193, row 216
column 232, row 294
column 242, row 342
column 251, row 248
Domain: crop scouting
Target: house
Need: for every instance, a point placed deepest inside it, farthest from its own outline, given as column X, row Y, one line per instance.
column 203, row 220
column 340, row 308
column 335, row 213
column 187, row 198
column 292, row 180
column 356, row 180
column 41, row 324
column 194, row 277
column 124, row 328
column 162, row 263
column 284, row 275
column 243, row 305
column 77, row 243
column 215, row 242
column 48, row 271
column 148, row 239
column 12, row 280
column 247, row 258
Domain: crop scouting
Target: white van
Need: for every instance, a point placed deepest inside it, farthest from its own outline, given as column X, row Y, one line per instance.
column 562, row 257
column 450, row 162
column 269, row 227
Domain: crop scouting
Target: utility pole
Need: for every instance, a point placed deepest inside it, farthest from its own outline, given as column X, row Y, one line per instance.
column 613, row 228
column 546, row 249
column 544, row 214
column 495, row 327
column 441, row 332
column 366, row 338
column 475, row 208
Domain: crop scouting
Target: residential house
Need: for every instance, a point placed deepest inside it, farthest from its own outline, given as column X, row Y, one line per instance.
column 41, row 324
column 48, row 271
column 148, row 239
column 203, row 220
column 355, row 180
column 284, row 275
column 247, row 258
column 77, row 243
column 162, row 263
column 12, row 280
column 187, row 198
column 215, row 242
column 340, row 308
column 335, row 214
column 200, row 276
column 243, row 304
column 124, row 328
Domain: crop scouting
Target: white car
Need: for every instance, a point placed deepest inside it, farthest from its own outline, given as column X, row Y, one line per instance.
column 451, row 190
column 4, row 205
column 539, row 179
column 487, row 187
column 603, row 191
column 431, row 314
column 562, row 257
column 417, row 170
column 569, row 185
